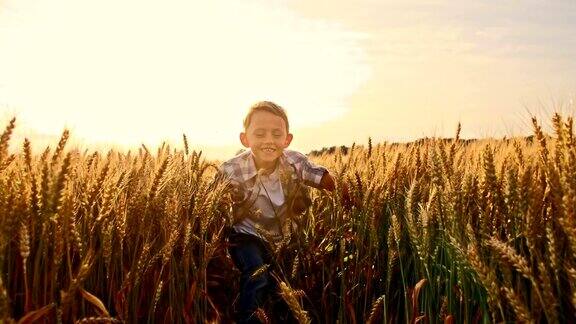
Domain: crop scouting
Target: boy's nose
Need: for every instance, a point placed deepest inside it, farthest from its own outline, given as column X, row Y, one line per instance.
column 269, row 138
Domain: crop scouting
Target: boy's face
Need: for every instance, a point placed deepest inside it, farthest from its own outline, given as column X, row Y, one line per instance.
column 267, row 137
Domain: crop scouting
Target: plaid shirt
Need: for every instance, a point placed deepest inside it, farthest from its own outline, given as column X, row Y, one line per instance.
column 293, row 167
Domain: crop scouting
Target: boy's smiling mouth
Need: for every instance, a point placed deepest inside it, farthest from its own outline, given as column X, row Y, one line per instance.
column 268, row 150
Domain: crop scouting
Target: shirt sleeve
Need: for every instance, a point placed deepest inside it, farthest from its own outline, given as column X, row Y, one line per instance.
column 227, row 173
column 222, row 173
column 310, row 173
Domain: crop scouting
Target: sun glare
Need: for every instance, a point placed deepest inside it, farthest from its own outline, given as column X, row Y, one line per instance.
column 136, row 72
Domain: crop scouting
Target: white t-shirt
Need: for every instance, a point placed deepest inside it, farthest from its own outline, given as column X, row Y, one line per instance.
column 270, row 202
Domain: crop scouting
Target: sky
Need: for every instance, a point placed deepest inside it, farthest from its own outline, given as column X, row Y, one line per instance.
column 127, row 72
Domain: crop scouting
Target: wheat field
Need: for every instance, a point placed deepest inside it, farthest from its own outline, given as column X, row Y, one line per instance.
column 439, row 230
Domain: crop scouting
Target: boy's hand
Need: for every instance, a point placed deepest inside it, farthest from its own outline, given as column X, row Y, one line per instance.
column 237, row 195
column 327, row 182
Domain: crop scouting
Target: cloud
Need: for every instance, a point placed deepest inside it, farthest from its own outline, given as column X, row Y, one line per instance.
column 532, row 28
column 440, row 62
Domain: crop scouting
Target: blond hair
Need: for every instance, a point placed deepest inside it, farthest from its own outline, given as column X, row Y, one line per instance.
column 268, row 106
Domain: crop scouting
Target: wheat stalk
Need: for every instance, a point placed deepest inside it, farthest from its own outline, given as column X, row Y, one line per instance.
column 510, row 256
column 376, row 310
column 4, row 141
column 522, row 312
column 288, row 295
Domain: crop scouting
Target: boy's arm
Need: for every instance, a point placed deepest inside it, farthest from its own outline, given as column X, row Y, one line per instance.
column 313, row 175
column 233, row 188
column 235, row 194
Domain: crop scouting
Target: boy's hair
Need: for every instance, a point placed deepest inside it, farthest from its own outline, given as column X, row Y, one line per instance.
column 268, row 106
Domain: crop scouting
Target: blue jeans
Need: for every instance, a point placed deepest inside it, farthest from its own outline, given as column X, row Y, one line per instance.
column 249, row 253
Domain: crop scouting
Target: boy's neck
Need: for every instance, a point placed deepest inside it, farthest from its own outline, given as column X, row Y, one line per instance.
column 267, row 168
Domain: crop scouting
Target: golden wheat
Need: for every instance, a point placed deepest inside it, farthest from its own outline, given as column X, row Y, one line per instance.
column 140, row 237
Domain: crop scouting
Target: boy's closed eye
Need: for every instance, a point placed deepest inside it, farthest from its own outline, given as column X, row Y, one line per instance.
column 261, row 134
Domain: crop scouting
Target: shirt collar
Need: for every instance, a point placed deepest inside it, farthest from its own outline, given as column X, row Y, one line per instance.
column 249, row 167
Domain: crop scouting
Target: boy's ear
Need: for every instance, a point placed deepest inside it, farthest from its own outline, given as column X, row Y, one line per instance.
column 289, row 138
column 244, row 139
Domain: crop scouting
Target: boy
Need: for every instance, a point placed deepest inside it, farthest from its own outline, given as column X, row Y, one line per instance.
column 266, row 189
